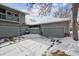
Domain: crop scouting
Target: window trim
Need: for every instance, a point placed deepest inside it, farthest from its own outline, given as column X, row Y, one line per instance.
column 4, row 11
column 2, row 17
column 9, row 13
column 12, row 14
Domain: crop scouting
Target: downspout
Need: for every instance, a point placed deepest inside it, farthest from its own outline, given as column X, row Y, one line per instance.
column 19, row 26
column 41, row 33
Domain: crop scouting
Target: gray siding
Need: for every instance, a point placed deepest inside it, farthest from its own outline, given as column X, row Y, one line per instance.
column 55, row 29
column 23, row 29
column 34, row 30
column 8, row 29
column 53, row 25
column 12, row 25
column 53, row 32
column 22, row 18
column 52, row 29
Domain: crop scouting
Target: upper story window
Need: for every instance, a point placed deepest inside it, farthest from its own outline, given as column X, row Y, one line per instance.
column 2, row 10
column 17, row 15
column 9, row 13
column 3, row 16
column 0, row 16
column 12, row 16
column 2, row 13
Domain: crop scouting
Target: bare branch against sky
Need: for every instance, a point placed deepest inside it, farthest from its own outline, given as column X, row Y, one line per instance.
column 55, row 10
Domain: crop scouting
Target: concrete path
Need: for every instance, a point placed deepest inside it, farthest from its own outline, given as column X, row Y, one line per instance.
column 32, row 45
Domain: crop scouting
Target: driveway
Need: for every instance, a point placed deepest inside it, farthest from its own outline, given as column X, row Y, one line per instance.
column 31, row 45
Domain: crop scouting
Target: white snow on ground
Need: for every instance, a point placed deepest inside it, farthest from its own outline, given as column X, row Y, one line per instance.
column 68, row 45
column 31, row 45
column 36, row 45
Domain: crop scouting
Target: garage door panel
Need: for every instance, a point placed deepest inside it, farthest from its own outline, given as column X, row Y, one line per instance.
column 34, row 30
column 54, row 32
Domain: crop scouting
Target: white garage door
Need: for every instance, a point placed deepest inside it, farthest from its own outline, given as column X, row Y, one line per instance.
column 54, row 32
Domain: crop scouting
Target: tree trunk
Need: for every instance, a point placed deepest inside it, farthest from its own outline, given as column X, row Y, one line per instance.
column 74, row 21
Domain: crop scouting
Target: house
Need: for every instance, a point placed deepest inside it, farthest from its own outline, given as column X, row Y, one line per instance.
column 12, row 22
column 48, row 26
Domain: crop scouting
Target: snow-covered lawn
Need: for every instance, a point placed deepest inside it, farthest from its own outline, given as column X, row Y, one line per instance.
column 31, row 45
column 67, row 45
column 36, row 45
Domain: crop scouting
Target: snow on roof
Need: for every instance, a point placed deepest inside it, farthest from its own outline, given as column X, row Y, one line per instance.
column 13, row 8
column 36, row 20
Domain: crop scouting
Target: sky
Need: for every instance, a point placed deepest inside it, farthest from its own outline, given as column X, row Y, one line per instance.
column 23, row 6
column 19, row 6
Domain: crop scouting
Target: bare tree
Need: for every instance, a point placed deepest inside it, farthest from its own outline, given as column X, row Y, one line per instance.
column 29, row 6
column 63, row 11
column 45, row 8
column 74, row 21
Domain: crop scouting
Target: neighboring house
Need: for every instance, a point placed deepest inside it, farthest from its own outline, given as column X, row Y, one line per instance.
column 48, row 26
column 12, row 22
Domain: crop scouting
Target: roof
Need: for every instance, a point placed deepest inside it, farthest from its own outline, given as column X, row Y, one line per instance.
column 33, row 20
column 13, row 9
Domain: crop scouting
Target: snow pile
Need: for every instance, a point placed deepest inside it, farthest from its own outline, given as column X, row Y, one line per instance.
column 68, row 45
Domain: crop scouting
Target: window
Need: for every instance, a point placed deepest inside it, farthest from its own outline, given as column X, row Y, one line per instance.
column 0, row 16
column 12, row 16
column 16, row 15
column 8, row 13
column 3, row 16
column 34, row 26
column 2, row 13
column 2, row 10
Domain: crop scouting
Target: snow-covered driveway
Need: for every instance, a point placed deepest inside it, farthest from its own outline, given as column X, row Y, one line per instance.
column 32, row 45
